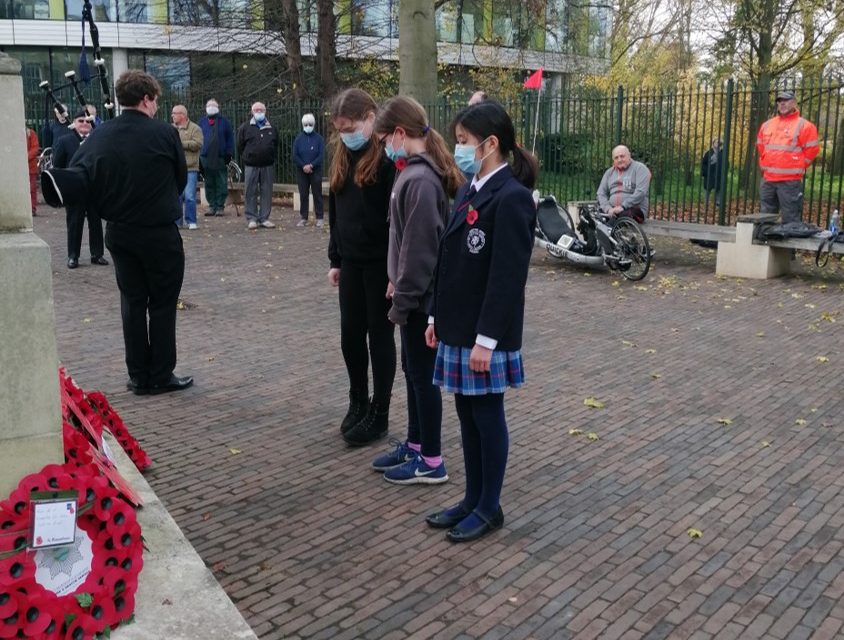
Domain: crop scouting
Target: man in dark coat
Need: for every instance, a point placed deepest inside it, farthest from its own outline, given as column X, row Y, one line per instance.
column 257, row 146
column 710, row 171
column 63, row 151
column 132, row 171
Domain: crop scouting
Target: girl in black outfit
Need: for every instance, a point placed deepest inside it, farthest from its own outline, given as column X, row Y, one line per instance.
column 361, row 178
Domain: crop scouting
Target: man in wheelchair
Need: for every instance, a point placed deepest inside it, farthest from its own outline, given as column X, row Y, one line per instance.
column 623, row 191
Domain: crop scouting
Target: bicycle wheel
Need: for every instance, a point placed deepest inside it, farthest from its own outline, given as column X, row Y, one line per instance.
column 632, row 251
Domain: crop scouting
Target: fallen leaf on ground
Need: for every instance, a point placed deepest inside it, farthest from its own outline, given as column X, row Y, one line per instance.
column 656, row 376
column 575, row 432
column 800, row 422
column 765, row 443
column 592, row 436
column 822, row 359
column 234, row 451
column 627, row 343
column 725, row 421
column 594, row 403
column 650, row 350
column 695, row 533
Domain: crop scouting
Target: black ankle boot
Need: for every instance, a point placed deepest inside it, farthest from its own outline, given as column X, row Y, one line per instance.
column 372, row 427
column 358, row 406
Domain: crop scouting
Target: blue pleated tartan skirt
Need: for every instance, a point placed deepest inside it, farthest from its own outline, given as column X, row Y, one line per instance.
column 452, row 372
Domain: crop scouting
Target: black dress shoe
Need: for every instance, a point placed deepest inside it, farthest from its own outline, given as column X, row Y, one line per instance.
column 175, row 383
column 99, row 260
column 137, row 387
column 488, row 525
column 72, row 263
column 447, row 518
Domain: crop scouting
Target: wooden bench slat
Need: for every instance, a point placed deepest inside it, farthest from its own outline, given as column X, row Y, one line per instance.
column 690, row 230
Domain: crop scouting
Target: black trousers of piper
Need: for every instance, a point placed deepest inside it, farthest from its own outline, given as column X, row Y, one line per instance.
column 75, row 223
column 149, row 263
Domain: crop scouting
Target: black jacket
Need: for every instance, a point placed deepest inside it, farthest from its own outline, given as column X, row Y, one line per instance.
column 63, row 150
column 358, row 217
column 257, row 147
column 135, row 170
column 710, row 172
column 479, row 284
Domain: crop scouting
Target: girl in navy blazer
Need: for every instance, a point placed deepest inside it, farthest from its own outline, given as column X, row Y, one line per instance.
column 477, row 309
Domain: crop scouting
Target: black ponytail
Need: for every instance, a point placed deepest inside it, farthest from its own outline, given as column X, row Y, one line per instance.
column 489, row 118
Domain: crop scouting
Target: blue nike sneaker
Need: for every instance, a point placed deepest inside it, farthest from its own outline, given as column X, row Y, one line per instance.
column 399, row 455
column 415, row 471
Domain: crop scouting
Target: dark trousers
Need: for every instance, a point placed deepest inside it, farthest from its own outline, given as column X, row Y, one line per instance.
column 309, row 182
column 216, row 183
column 363, row 314
column 785, row 197
column 75, row 223
column 486, row 443
column 424, row 399
column 149, row 263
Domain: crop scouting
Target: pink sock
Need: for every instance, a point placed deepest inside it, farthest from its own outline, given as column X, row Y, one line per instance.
column 432, row 461
column 414, row 446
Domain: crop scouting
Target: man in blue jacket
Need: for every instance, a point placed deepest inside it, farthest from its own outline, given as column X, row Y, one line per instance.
column 216, row 153
column 308, row 150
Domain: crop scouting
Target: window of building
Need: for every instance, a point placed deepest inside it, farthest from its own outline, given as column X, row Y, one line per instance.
column 556, row 32
column 171, row 71
column 308, row 17
column 374, row 18
column 103, row 10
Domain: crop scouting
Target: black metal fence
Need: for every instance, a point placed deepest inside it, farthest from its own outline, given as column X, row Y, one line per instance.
column 574, row 134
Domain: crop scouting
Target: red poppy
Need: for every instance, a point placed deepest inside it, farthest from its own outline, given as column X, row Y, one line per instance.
column 401, row 163
column 472, row 215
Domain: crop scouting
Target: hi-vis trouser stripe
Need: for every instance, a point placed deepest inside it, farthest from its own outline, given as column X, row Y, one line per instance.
column 795, row 172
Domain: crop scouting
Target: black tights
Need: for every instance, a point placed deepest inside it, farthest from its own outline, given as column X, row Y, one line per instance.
column 363, row 313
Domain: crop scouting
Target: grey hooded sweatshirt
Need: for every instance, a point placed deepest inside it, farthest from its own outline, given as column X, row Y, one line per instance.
column 418, row 213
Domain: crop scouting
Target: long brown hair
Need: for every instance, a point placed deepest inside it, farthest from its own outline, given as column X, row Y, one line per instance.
column 354, row 104
column 407, row 113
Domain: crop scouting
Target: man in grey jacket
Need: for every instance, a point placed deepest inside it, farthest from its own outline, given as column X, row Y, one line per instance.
column 624, row 187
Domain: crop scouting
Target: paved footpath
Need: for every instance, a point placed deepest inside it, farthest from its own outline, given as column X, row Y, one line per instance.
column 722, row 413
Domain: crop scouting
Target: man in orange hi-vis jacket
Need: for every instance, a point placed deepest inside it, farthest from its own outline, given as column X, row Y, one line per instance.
column 787, row 144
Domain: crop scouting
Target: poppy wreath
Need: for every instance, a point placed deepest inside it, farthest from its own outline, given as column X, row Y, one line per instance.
column 100, row 415
column 94, row 599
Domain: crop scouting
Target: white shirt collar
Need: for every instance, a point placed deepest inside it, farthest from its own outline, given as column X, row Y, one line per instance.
column 479, row 183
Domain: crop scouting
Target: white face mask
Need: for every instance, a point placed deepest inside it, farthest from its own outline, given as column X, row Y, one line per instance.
column 212, row 110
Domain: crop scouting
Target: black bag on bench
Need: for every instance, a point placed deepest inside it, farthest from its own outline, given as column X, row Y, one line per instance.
column 770, row 231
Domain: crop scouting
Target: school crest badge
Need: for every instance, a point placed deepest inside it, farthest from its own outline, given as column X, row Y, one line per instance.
column 476, row 240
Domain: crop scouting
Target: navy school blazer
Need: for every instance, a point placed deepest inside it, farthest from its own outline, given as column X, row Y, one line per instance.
column 479, row 283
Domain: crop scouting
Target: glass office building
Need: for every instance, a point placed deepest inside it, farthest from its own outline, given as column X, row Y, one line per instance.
column 175, row 39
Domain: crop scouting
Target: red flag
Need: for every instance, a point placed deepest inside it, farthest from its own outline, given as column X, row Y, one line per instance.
column 535, row 80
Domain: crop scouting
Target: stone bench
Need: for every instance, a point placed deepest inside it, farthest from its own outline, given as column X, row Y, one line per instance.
column 236, row 195
column 751, row 258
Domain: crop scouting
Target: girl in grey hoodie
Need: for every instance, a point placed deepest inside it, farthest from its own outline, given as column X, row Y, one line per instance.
column 419, row 206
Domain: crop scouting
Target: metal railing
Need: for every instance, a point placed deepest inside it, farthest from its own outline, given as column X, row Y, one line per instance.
column 668, row 130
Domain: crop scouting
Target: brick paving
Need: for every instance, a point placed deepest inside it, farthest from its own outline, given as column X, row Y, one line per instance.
column 310, row 543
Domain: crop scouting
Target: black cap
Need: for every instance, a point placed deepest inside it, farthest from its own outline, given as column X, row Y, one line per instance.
column 62, row 187
column 785, row 95
column 80, row 114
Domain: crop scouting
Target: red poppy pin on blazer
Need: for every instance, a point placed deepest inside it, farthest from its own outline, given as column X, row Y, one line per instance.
column 472, row 215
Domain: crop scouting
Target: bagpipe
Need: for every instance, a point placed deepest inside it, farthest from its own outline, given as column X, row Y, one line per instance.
column 75, row 82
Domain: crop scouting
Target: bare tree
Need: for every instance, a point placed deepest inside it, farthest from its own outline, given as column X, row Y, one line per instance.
column 326, row 51
column 418, row 50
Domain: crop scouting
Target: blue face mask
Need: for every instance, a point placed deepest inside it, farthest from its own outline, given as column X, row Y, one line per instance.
column 395, row 154
column 259, row 117
column 355, row 140
column 464, row 156
column 308, row 128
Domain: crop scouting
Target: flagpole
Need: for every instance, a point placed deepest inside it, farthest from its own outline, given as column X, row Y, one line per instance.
column 536, row 120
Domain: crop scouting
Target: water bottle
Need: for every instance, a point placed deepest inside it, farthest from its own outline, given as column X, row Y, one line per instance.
column 834, row 224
